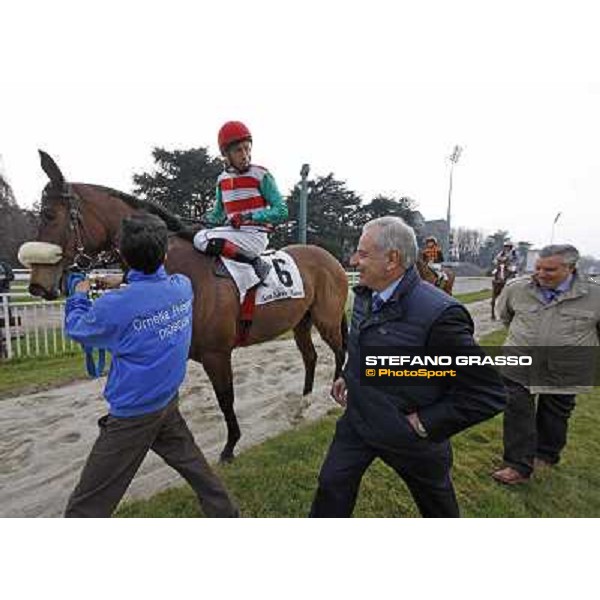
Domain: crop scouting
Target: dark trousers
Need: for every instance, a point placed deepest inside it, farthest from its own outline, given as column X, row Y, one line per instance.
column 423, row 465
column 531, row 432
column 119, row 451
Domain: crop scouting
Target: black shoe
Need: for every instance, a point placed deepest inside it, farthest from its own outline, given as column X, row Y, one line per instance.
column 262, row 268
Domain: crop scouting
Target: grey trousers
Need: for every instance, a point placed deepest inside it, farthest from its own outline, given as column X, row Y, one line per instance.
column 534, row 432
column 119, row 451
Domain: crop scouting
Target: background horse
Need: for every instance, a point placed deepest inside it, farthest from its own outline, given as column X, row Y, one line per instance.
column 427, row 274
column 501, row 275
column 80, row 221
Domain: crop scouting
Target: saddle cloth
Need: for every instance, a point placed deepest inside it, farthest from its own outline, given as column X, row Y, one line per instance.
column 284, row 280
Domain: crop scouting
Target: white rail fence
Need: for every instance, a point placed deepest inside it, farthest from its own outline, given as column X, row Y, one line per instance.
column 30, row 327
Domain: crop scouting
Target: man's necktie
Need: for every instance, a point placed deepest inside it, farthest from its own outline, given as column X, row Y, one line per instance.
column 376, row 303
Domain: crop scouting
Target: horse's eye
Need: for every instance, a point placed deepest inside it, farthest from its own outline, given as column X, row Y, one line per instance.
column 47, row 214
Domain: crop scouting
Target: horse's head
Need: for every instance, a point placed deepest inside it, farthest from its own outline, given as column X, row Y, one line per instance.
column 500, row 275
column 79, row 225
column 59, row 241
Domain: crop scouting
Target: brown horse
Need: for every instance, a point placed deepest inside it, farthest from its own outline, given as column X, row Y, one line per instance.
column 428, row 274
column 501, row 275
column 79, row 221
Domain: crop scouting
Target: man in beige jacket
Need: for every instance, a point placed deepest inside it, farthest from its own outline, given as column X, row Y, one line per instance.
column 556, row 307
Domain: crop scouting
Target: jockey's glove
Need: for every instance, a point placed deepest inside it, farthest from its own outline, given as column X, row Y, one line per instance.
column 236, row 220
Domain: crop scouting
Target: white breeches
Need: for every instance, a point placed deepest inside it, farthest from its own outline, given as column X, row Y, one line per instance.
column 246, row 238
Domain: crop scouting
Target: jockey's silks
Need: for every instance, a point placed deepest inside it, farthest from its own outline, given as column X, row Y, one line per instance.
column 253, row 192
column 147, row 326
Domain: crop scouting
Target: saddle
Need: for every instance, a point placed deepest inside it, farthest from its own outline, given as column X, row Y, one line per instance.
column 284, row 281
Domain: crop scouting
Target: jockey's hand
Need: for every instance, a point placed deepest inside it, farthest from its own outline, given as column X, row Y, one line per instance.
column 339, row 392
column 236, row 220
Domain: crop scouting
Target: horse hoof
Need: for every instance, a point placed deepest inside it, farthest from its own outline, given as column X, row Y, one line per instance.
column 226, row 457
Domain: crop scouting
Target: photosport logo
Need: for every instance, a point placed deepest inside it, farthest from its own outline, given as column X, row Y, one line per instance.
column 539, row 366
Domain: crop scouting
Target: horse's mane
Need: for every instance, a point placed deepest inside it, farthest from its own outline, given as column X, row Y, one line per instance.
column 172, row 222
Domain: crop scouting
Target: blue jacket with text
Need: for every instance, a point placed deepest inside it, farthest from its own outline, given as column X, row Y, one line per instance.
column 147, row 327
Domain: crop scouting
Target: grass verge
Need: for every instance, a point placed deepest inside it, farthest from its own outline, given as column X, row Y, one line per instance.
column 470, row 297
column 28, row 375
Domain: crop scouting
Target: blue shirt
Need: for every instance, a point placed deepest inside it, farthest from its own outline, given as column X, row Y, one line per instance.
column 147, row 326
column 387, row 293
column 548, row 295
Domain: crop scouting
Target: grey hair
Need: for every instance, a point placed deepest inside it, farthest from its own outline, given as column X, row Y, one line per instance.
column 394, row 234
column 569, row 254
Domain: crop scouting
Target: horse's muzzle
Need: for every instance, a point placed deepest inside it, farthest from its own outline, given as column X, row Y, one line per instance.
column 39, row 291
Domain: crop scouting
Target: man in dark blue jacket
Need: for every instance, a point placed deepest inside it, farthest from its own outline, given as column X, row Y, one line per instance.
column 407, row 426
column 147, row 326
column 6, row 276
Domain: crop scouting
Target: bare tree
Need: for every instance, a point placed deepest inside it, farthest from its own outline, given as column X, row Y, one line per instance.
column 468, row 243
column 16, row 225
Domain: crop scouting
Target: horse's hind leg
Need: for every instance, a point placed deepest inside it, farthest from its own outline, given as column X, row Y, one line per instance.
column 218, row 368
column 305, row 344
column 493, row 306
column 335, row 336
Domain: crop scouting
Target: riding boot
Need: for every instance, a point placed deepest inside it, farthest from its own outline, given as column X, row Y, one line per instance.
column 230, row 250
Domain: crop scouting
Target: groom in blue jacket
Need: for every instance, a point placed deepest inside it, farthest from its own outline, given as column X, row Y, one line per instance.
column 147, row 326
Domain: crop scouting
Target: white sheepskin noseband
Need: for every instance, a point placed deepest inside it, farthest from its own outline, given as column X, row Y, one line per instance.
column 39, row 253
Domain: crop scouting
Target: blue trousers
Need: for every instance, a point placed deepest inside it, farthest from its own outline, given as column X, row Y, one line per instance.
column 423, row 465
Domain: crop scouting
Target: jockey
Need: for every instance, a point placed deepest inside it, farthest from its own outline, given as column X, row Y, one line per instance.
column 432, row 252
column 508, row 255
column 433, row 257
column 247, row 207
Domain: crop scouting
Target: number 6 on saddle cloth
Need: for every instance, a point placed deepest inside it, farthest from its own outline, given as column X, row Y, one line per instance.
column 94, row 369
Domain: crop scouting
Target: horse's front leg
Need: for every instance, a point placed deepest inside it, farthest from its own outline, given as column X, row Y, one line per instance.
column 218, row 368
column 493, row 305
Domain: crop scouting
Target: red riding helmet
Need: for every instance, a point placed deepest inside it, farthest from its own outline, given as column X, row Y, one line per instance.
column 231, row 132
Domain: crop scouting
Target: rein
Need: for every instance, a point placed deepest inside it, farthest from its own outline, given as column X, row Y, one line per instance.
column 84, row 263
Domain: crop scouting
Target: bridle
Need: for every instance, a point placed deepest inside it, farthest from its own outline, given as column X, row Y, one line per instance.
column 82, row 260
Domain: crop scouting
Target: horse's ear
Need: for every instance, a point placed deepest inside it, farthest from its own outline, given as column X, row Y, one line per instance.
column 51, row 168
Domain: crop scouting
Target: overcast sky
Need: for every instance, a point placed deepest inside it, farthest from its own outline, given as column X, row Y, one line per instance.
column 374, row 91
